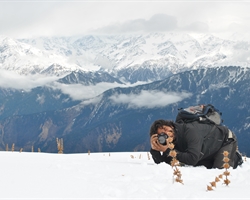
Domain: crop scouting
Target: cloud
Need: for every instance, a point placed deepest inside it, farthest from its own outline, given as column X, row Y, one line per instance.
column 88, row 93
column 40, row 99
column 66, row 18
column 82, row 92
column 149, row 99
column 18, row 17
column 94, row 100
column 157, row 23
column 197, row 27
column 161, row 22
column 91, row 94
column 9, row 79
column 105, row 62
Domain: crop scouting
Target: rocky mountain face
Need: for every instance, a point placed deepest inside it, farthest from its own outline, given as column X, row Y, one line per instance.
column 119, row 119
column 88, row 78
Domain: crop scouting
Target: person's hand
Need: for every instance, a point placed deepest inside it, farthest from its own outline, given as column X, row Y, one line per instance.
column 156, row 145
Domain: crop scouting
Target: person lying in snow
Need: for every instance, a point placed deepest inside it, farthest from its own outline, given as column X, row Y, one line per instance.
column 196, row 144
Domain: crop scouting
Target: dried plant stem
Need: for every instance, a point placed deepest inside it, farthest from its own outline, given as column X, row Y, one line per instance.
column 174, row 163
column 59, row 145
column 148, row 155
column 226, row 173
column 13, row 147
column 226, row 167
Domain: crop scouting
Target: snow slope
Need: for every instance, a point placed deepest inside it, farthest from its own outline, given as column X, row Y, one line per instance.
column 128, row 175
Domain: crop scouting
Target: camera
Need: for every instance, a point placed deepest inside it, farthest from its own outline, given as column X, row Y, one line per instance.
column 162, row 138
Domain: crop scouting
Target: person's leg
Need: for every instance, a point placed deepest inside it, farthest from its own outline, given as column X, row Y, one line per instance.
column 238, row 160
column 231, row 149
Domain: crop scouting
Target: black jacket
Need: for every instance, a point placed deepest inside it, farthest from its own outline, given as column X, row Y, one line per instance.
column 194, row 143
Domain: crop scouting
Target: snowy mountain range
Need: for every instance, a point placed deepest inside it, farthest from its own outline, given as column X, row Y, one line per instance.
column 101, row 93
column 129, row 58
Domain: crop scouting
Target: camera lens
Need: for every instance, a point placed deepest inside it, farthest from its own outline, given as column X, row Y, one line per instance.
column 162, row 138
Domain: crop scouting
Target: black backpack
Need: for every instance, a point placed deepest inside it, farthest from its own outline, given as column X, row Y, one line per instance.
column 205, row 114
column 202, row 113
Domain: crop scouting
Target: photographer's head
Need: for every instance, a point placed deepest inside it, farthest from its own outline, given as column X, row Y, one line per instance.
column 161, row 134
column 162, row 126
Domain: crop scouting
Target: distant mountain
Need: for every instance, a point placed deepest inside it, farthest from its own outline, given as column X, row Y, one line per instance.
column 119, row 119
column 26, row 59
column 88, row 78
column 40, row 99
column 129, row 58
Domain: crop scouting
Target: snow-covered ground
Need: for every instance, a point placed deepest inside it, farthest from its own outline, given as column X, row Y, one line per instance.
column 128, row 175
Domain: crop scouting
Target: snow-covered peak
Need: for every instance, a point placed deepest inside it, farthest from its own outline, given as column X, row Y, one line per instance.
column 26, row 59
column 113, row 53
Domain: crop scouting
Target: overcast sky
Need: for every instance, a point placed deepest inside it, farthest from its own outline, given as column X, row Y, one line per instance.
column 21, row 19
column 33, row 18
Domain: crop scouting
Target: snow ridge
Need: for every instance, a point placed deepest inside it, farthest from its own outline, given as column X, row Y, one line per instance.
column 114, row 53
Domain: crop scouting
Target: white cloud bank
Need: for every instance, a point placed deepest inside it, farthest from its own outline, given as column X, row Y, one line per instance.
column 82, row 92
column 9, row 79
column 89, row 94
column 149, row 99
